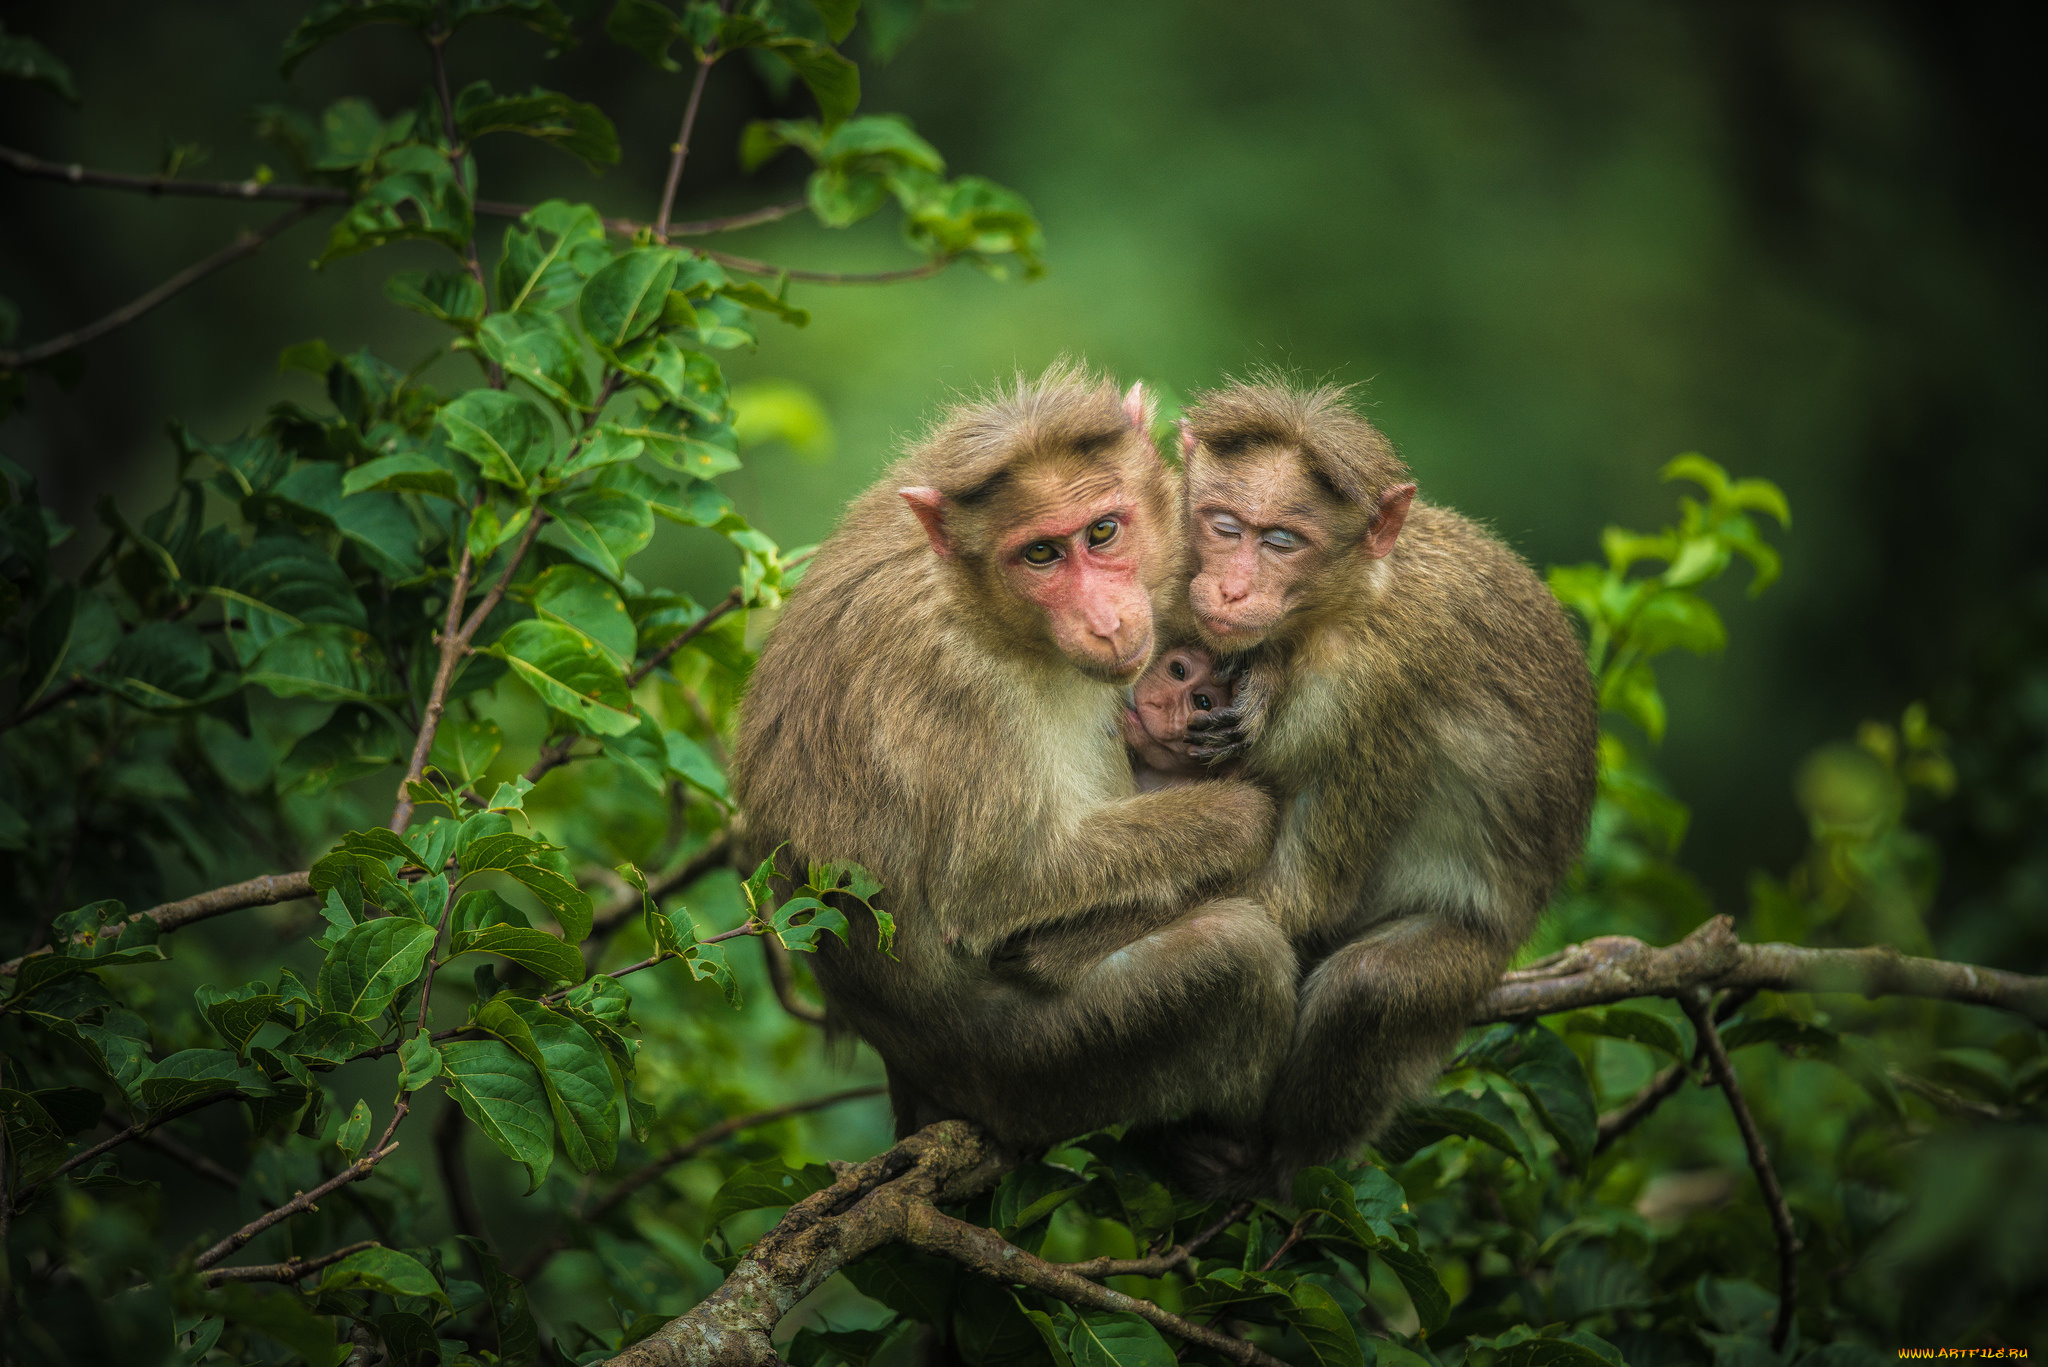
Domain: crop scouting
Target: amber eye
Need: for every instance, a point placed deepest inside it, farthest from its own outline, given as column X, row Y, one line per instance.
column 1177, row 669
column 1103, row 532
column 1203, row 702
column 1041, row 553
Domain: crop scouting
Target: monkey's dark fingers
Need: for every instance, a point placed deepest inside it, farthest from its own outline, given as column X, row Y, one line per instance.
column 1209, row 723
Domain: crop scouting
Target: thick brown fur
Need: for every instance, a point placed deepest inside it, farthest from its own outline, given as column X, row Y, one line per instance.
column 1060, row 960
column 1425, row 719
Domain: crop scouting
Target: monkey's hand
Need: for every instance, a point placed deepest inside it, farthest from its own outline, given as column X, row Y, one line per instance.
column 1220, row 737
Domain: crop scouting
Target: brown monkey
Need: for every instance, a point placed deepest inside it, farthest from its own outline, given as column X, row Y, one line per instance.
column 940, row 702
column 1178, row 685
column 1418, row 705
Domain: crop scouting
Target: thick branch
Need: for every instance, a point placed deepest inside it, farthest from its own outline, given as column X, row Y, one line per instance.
column 689, row 1148
column 986, row 1253
column 290, row 1270
column 247, row 243
column 870, row 1205
column 1614, row 968
column 1695, row 1004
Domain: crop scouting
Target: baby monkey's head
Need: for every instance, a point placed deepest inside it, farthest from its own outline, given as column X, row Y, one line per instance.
column 1179, row 684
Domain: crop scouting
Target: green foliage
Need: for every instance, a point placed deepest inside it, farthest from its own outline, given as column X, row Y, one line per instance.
column 239, row 680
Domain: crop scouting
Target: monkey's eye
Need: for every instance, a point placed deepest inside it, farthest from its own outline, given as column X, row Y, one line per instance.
column 1225, row 526
column 1283, row 540
column 1177, row 669
column 1102, row 533
column 1041, row 553
column 1203, row 702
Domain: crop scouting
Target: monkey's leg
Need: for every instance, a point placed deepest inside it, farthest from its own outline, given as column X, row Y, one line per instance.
column 1377, row 1019
column 1189, row 1018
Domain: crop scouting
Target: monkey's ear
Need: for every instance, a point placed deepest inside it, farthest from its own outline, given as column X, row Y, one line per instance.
column 1388, row 521
column 1187, row 442
column 930, row 506
column 1138, row 407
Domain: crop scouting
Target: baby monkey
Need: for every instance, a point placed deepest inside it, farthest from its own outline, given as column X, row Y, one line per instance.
column 1180, row 684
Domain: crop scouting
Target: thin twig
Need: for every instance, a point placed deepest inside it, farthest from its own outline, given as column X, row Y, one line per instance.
column 727, row 604
column 246, row 243
column 290, row 1270
column 456, row 155
column 74, row 174
column 444, row 673
column 1619, row 1122
column 681, row 150
column 256, row 892
column 462, row 1206
column 782, row 980
column 748, row 265
column 1287, row 1244
column 57, row 696
column 1159, row 1264
column 302, row 1201
column 689, row 1148
column 1695, row 1004
column 135, row 1131
column 704, row 227
column 191, row 1158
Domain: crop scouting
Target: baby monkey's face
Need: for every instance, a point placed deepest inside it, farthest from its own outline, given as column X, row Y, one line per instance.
column 1179, row 684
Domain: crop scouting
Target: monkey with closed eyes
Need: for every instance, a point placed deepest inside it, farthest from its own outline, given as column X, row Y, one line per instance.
column 941, row 702
column 1417, row 704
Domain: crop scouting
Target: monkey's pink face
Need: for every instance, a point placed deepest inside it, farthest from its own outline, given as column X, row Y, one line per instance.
column 1077, row 557
column 1179, row 684
column 1258, row 536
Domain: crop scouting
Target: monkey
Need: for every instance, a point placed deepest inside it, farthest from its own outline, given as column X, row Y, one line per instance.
column 1420, row 708
column 1183, row 681
column 940, row 703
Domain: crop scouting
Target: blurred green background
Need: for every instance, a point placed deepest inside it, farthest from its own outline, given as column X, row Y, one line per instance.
column 1553, row 245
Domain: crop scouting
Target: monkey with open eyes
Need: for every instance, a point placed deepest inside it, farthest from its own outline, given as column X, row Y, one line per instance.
column 1182, row 683
column 1417, row 703
column 940, row 701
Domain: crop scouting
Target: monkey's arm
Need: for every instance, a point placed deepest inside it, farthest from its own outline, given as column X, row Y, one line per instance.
column 1151, row 854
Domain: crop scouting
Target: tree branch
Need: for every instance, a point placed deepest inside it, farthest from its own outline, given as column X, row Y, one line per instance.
column 1695, row 1003
column 689, row 1148
column 748, row 265
column 246, row 243
column 191, row 1158
column 290, row 1270
column 302, row 1201
column 1159, row 1264
column 729, row 603
column 783, row 981
column 135, row 1131
column 1617, row 1123
column 74, row 174
column 715, row 854
column 986, row 1253
column 1614, row 968
column 468, row 1217
column 681, row 150
column 257, row 892
column 868, row 1206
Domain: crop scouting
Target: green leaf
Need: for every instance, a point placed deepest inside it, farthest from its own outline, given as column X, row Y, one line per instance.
column 577, row 598
column 768, row 1184
column 1628, row 1023
column 355, row 1132
column 503, row 1096
column 417, row 196
column 329, row 19
column 419, row 1062
column 625, row 298
column 507, row 435
column 237, row 1015
column 191, row 1074
column 648, row 28
column 537, row 950
column 386, row 1270
column 601, row 527
column 1322, row 1324
column 322, row 662
column 547, row 259
column 540, row 349
column 463, row 749
column 1432, row 1302
column 453, row 297
column 690, row 762
column 369, row 965
column 329, row 1037
column 572, row 1067
column 518, row 1342
column 1104, row 1340
column 570, row 673
column 406, row 472
column 1484, row 1117
column 25, row 59
column 582, row 130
